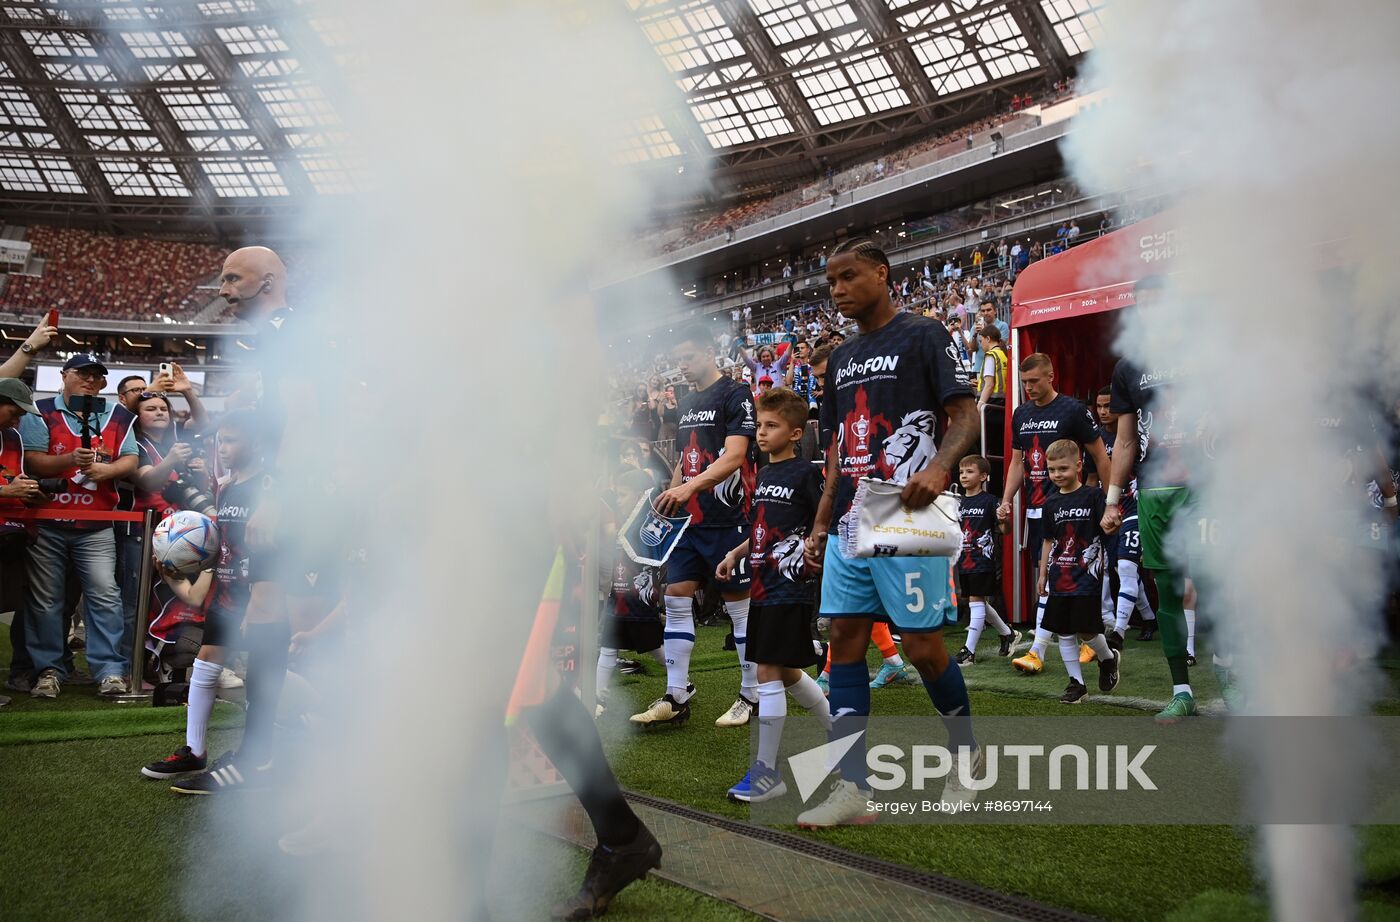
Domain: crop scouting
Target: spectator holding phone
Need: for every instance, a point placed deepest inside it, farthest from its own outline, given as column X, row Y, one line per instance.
column 175, row 381
column 17, row 491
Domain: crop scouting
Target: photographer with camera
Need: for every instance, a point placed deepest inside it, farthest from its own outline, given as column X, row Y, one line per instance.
column 90, row 444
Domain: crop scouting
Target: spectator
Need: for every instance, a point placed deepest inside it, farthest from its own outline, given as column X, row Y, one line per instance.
column 129, row 391
column 769, row 364
column 992, row 374
column 1073, row 233
column 1001, row 255
column 1105, row 225
column 177, row 382
column 787, row 270
column 976, row 259
column 987, row 314
column 765, row 384
column 668, row 415
column 643, row 415
column 52, row 448
column 961, row 342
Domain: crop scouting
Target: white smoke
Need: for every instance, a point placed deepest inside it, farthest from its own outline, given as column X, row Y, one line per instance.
column 1270, row 120
column 459, row 411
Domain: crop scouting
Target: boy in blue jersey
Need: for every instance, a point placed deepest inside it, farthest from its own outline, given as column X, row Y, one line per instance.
column 712, row 483
column 780, row 623
column 888, row 393
column 977, row 564
column 1071, row 570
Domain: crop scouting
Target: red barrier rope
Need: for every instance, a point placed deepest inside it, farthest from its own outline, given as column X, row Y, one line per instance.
column 74, row 515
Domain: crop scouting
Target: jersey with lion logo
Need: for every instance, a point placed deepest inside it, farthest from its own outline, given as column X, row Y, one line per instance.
column 885, row 392
column 785, row 504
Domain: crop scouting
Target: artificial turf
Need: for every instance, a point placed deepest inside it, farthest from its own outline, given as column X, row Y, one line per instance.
column 1127, row 872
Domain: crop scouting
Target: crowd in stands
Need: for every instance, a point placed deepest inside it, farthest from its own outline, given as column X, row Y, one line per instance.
column 118, row 278
column 867, row 170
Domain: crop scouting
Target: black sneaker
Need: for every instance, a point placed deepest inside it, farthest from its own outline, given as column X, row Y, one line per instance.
column 1115, row 640
column 1008, row 643
column 183, row 762
column 1148, row 632
column 1190, row 660
column 609, row 871
column 1108, row 673
column 226, row 773
column 966, row 657
column 1074, row 692
column 630, row 667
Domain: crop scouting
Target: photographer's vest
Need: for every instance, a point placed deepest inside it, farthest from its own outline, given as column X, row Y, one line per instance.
column 84, row 494
column 11, row 466
column 156, row 501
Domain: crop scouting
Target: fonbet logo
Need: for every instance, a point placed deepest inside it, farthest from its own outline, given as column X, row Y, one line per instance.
column 871, row 365
column 912, row 768
column 1063, row 514
column 1039, row 425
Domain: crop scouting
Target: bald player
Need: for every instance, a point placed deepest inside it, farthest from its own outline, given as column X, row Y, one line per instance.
column 300, row 583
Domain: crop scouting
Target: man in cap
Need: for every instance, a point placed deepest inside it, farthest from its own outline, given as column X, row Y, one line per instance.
column 90, row 448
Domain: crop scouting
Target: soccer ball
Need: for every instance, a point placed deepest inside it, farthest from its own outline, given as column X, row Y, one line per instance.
column 185, row 542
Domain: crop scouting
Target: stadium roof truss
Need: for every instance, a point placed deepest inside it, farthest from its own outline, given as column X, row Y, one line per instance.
column 197, row 112
column 767, row 81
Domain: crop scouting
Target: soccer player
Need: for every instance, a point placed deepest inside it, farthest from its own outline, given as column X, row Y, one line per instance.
column 886, row 390
column 712, row 484
column 1071, row 570
column 1047, row 416
column 780, row 624
column 1147, row 415
column 1124, row 553
column 633, row 621
column 235, row 573
column 977, row 564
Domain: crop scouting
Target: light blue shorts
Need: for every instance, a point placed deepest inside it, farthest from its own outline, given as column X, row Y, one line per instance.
column 915, row 594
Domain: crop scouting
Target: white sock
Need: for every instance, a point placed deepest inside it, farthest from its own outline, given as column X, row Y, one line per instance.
column 748, row 672
column 1190, row 631
column 1178, row 689
column 772, row 711
column 1102, row 650
column 1145, row 607
column 978, row 610
column 607, row 662
column 659, row 654
column 994, row 619
column 1042, row 636
column 896, row 660
column 678, row 640
column 808, row 695
column 204, row 684
column 1069, row 652
column 1129, row 589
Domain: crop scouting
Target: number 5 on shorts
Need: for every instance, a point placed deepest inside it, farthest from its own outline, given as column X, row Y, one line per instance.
column 914, row 592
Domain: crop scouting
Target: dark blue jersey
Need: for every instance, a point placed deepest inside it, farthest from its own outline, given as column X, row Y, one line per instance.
column 707, row 418
column 1034, row 428
column 785, row 505
column 237, row 566
column 1169, row 443
column 1071, row 521
column 979, row 528
column 1127, row 503
column 884, row 397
